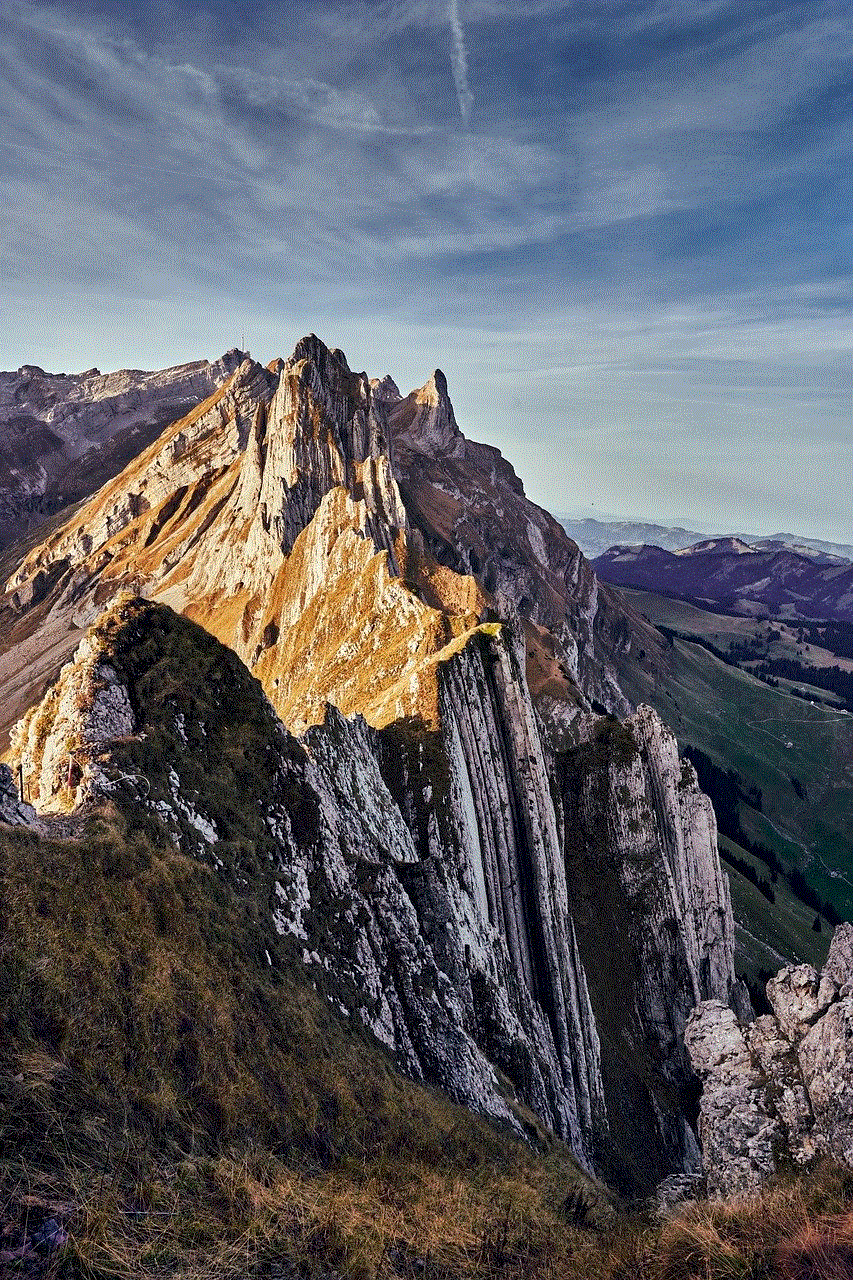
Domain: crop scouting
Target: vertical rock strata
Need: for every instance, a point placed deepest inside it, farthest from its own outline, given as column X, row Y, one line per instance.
column 479, row 799
column 654, row 924
column 525, row 925
column 778, row 1091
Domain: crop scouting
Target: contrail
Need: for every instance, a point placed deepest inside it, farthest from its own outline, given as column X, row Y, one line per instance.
column 459, row 58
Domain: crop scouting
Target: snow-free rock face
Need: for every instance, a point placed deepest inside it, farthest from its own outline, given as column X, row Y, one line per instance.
column 57, row 744
column 470, row 508
column 778, row 1091
column 520, row 897
column 62, row 435
column 652, row 906
column 13, row 810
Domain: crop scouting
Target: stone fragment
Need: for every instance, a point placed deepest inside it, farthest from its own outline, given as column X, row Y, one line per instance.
column 795, row 998
column 826, row 1060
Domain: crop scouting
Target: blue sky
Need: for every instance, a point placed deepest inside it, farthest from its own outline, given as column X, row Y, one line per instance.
column 623, row 229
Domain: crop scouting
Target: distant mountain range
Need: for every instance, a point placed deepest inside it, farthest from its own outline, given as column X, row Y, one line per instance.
column 768, row 577
column 596, row 536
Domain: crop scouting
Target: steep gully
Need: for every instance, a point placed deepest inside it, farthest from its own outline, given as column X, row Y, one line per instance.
column 517, row 893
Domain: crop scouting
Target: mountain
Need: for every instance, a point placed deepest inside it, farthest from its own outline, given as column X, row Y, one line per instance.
column 729, row 574
column 181, row 1087
column 63, row 435
column 596, row 536
column 775, row 755
column 328, row 809
column 443, row 653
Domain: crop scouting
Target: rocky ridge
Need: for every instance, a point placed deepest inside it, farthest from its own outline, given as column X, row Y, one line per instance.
column 449, row 687
column 63, row 435
column 778, row 1091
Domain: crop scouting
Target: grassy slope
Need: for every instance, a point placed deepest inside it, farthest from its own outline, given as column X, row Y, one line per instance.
column 743, row 724
column 201, row 1109
column 167, row 1071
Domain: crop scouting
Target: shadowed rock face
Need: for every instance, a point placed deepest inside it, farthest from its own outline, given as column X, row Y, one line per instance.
column 12, row 810
column 650, row 905
column 778, row 1091
column 438, row 644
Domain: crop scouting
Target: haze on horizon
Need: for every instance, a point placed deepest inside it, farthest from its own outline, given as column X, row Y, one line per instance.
column 621, row 227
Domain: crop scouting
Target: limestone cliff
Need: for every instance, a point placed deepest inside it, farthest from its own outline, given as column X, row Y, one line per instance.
column 520, row 897
column 650, row 905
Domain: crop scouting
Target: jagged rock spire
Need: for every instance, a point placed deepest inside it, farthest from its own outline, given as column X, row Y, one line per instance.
column 424, row 421
column 325, row 429
column 386, row 389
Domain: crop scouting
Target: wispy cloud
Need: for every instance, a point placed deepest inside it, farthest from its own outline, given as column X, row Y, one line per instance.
column 459, row 59
column 648, row 207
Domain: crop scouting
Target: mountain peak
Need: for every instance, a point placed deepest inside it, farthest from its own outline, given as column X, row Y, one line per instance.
column 329, row 361
column 385, row 389
column 424, row 420
column 722, row 546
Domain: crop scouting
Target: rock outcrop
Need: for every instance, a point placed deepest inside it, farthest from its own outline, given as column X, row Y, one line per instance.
column 778, row 1091
column 63, row 435
column 58, row 742
column 517, row 893
column 650, row 904
column 13, row 810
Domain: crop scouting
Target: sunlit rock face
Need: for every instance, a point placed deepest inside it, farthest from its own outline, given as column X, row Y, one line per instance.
column 517, row 893
column 57, row 743
column 778, row 1091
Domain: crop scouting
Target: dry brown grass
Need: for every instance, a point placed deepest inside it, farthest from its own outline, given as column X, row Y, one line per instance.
column 795, row 1229
column 191, row 1112
column 234, row 1218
